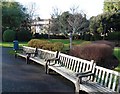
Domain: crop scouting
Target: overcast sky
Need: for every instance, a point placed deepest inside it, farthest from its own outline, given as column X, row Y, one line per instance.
column 45, row 7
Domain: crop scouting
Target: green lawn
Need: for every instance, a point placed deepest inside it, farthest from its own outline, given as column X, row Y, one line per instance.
column 117, row 54
column 66, row 41
column 10, row 44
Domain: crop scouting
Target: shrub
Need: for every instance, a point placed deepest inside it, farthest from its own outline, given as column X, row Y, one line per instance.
column 97, row 37
column 87, row 37
column 24, row 35
column 58, row 46
column 9, row 35
column 111, row 44
column 111, row 62
column 92, row 52
column 113, row 36
column 57, row 37
column 48, row 46
column 37, row 43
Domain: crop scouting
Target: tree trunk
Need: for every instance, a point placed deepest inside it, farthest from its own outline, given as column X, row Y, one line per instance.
column 70, row 40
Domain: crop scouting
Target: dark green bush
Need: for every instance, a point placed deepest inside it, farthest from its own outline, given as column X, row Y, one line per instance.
column 9, row 35
column 113, row 36
column 24, row 35
column 96, row 37
column 87, row 37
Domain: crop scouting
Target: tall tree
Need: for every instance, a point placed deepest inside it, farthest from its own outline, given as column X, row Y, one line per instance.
column 12, row 14
column 70, row 23
column 111, row 5
column 102, row 23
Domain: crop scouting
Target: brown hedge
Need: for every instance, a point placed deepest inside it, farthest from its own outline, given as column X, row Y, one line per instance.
column 43, row 44
column 111, row 44
column 97, row 52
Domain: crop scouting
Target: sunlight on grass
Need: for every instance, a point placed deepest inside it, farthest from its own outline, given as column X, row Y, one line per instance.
column 10, row 44
column 117, row 54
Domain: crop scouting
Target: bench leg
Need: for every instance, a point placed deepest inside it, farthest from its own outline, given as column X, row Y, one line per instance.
column 15, row 54
column 77, row 85
column 46, row 68
column 27, row 59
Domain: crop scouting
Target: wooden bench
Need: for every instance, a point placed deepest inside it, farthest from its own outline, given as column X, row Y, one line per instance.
column 76, row 70
column 109, row 79
column 37, row 55
column 26, row 52
column 42, row 56
column 84, row 74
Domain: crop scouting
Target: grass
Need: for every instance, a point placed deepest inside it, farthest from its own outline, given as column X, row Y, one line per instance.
column 10, row 44
column 117, row 54
column 66, row 41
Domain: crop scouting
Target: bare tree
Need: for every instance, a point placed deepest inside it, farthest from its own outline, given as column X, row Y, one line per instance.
column 75, row 20
column 55, row 12
column 31, row 9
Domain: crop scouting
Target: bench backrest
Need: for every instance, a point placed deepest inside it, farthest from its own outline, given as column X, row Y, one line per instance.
column 27, row 49
column 75, row 64
column 45, row 54
column 107, row 78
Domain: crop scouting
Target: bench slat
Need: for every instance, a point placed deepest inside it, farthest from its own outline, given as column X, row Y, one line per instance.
column 114, row 83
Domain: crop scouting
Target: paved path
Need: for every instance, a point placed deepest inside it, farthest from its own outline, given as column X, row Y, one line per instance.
column 17, row 76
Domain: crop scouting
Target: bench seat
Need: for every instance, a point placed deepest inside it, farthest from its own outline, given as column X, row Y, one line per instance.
column 95, row 88
column 21, row 55
column 38, row 60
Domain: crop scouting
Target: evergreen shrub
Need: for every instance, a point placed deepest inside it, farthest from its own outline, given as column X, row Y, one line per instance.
column 24, row 35
column 9, row 35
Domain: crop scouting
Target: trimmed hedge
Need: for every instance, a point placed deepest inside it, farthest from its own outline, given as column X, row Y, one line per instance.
column 111, row 44
column 101, row 53
column 9, row 35
column 36, row 43
column 43, row 44
column 92, row 51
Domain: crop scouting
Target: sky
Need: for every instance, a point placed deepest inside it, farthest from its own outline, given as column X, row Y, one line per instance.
column 44, row 8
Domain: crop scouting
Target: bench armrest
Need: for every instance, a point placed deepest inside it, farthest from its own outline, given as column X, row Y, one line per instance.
column 52, row 59
column 82, row 73
column 85, row 75
column 31, row 53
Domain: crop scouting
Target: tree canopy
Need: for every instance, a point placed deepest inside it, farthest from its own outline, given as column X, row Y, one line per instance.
column 12, row 15
column 68, row 22
column 111, row 5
